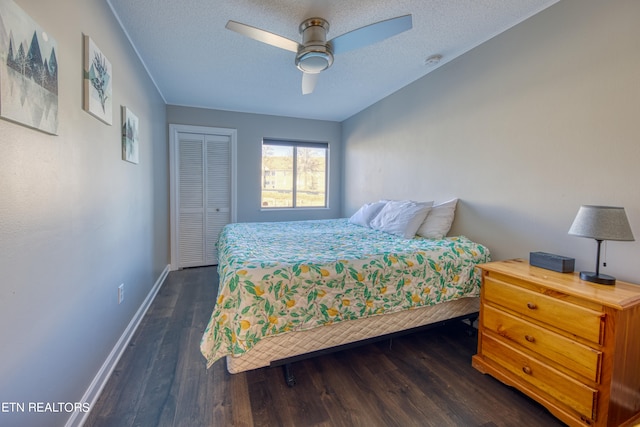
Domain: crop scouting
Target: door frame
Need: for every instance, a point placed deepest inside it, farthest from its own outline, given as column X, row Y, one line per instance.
column 174, row 131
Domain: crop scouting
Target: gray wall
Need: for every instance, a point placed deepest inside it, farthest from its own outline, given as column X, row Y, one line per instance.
column 251, row 129
column 524, row 129
column 76, row 220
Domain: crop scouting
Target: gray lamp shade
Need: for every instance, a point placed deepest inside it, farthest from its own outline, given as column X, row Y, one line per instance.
column 601, row 223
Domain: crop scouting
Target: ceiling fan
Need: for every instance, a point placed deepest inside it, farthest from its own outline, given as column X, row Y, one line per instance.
column 315, row 53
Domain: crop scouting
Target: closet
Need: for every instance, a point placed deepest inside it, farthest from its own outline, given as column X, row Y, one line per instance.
column 202, row 187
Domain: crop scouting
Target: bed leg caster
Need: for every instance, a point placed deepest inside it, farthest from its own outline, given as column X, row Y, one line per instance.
column 288, row 375
column 470, row 329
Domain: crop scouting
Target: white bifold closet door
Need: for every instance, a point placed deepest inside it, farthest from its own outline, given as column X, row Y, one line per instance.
column 202, row 166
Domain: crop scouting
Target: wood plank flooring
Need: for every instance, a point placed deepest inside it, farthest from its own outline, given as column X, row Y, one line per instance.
column 424, row 379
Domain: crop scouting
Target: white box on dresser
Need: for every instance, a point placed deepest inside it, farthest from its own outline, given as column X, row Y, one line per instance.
column 571, row 345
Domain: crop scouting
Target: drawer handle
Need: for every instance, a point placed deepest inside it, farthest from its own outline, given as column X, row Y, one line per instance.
column 531, row 306
column 526, row 370
column 530, row 338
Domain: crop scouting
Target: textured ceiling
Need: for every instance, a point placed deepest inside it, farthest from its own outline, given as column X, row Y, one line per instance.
column 195, row 61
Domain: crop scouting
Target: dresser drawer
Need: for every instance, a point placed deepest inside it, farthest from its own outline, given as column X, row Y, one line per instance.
column 576, row 357
column 576, row 320
column 565, row 389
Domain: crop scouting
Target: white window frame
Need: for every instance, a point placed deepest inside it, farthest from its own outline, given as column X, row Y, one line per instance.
column 295, row 144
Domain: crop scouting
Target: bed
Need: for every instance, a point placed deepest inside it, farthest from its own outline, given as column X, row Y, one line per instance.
column 289, row 289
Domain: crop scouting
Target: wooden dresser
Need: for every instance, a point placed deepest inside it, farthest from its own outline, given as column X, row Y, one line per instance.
column 571, row 345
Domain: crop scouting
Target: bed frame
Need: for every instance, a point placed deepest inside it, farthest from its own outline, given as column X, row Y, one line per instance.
column 285, row 349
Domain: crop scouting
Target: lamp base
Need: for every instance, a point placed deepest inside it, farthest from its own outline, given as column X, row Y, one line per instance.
column 602, row 279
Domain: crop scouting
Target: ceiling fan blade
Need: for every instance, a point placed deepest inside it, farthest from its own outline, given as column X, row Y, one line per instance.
column 371, row 34
column 309, row 81
column 263, row 36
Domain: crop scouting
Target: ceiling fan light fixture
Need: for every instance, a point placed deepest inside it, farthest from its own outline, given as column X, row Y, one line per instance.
column 314, row 55
column 314, row 61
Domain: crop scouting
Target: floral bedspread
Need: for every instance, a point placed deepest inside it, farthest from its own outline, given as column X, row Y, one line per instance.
column 280, row 277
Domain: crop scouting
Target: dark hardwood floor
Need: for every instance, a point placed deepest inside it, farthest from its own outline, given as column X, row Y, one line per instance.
column 424, row 379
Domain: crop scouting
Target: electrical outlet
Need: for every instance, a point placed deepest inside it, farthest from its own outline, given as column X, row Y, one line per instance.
column 120, row 293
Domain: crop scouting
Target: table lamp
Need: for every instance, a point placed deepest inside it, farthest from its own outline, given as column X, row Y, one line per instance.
column 601, row 223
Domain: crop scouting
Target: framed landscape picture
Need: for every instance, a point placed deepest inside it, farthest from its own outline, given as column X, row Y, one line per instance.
column 98, row 77
column 28, row 71
column 130, row 146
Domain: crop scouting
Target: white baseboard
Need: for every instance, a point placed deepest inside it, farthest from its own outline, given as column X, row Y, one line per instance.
column 78, row 418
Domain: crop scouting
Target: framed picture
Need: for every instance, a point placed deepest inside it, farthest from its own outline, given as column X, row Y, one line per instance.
column 98, row 77
column 130, row 147
column 28, row 71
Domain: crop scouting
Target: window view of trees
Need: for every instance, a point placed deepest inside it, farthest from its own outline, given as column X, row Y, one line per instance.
column 294, row 175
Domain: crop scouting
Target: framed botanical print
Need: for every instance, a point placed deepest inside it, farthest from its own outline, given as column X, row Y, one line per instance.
column 98, row 77
column 130, row 147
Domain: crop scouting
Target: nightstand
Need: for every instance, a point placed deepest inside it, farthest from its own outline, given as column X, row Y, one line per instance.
column 571, row 345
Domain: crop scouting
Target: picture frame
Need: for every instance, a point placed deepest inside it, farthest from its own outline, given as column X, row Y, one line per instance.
column 98, row 82
column 28, row 71
column 130, row 140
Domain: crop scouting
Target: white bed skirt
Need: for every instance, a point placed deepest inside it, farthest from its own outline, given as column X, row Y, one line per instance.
column 283, row 346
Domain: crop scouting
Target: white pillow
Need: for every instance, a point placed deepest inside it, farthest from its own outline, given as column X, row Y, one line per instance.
column 401, row 218
column 438, row 222
column 366, row 213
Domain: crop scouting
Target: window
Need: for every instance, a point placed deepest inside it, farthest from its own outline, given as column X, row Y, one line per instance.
column 294, row 174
